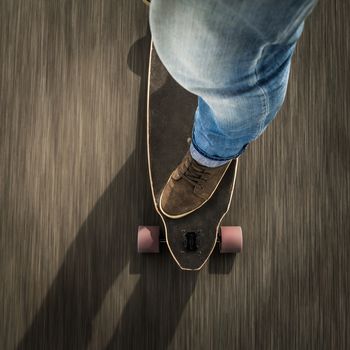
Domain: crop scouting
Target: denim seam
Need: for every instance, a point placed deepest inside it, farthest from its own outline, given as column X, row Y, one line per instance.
column 297, row 19
column 264, row 100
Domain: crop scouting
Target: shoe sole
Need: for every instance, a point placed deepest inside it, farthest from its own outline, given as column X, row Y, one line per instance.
column 191, row 211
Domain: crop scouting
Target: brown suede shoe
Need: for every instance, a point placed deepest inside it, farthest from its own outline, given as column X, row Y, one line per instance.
column 189, row 186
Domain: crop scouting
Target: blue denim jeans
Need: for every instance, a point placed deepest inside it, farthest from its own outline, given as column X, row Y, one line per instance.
column 235, row 55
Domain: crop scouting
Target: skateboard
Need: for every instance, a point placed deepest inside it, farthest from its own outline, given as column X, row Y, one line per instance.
column 191, row 239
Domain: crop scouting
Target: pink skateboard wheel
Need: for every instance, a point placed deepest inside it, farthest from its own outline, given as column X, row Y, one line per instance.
column 148, row 239
column 231, row 239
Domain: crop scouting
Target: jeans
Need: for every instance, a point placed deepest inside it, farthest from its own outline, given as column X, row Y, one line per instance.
column 235, row 55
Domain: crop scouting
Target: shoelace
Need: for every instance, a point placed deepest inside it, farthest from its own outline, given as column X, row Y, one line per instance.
column 195, row 174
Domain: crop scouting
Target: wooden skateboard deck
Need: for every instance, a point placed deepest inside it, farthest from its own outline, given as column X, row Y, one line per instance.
column 192, row 238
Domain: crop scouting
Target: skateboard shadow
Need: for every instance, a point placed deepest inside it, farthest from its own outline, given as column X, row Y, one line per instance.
column 104, row 245
column 221, row 264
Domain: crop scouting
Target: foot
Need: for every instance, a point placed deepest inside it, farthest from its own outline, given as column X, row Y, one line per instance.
column 189, row 186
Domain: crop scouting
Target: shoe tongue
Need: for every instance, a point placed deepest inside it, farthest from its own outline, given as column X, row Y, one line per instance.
column 177, row 174
column 198, row 165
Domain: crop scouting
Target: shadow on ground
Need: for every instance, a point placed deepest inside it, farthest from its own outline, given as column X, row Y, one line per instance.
column 104, row 245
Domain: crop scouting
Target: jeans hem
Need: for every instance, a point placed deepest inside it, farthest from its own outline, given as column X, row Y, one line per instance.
column 204, row 154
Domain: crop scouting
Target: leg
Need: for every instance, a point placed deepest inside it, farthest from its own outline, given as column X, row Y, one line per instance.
column 236, row 57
